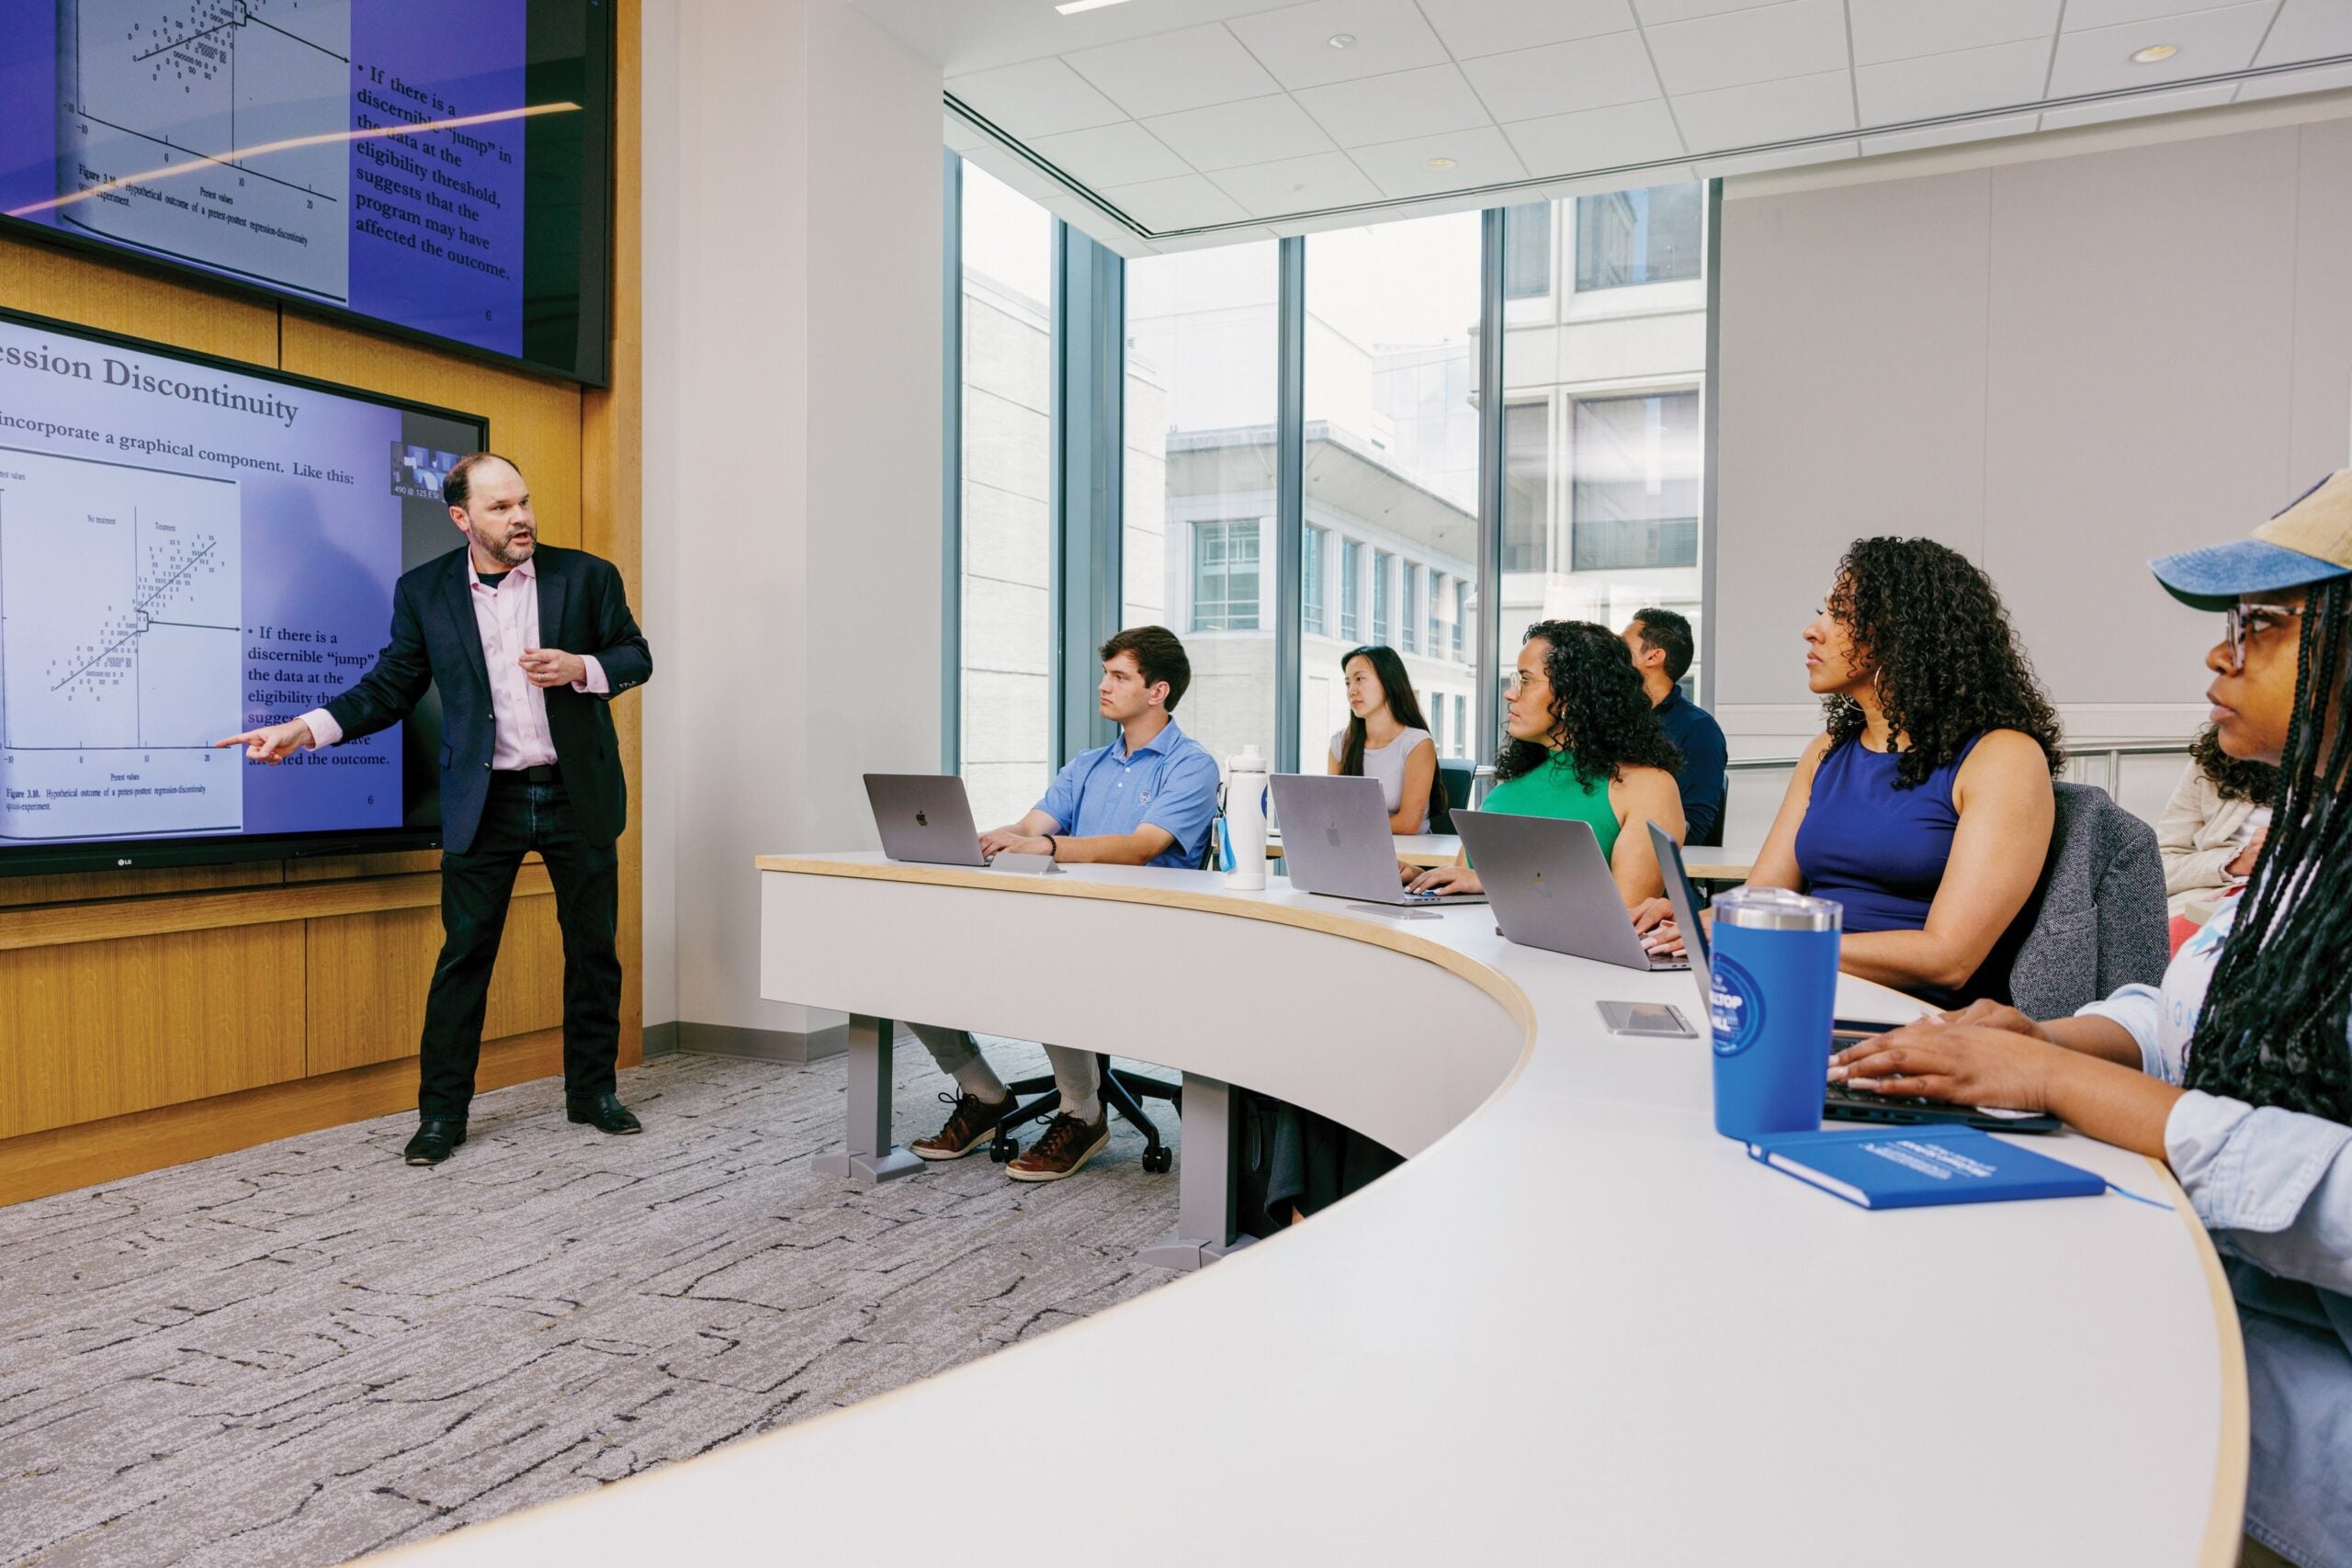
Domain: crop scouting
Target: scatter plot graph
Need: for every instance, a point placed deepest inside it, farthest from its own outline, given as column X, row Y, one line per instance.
column 189, row 92
column 121, row 650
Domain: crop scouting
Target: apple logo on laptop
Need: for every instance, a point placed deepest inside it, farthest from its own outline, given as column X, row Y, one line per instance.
column 921, row 820
column 1331, row 836
column 1540, row 890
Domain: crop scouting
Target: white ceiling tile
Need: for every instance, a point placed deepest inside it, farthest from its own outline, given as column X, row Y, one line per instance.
column 1187, row 69
column 1294, row 42
column 1766, row 111
column 1563, row 77
column 1656, row 13
column 2085, row 15
column 1609, row 138
column 2101, row 60
column 1472, row 28
column 1782, row 158
column 2287, row 84
column 1480, row 157
column 1984, row 130
column 1603, row 185
column 961, row 134
column 1298, row 185
column 2307, row 29
column 1897, row 29
column 2146, row 104
column 1121, row 154
column 1036, row 98
column 1932, row 85
column 1390, row 108
column 1255, row 130
column 1770, row 43
column 1187, row 201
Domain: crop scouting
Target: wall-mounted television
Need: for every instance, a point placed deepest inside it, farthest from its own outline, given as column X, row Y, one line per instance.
column 438, row 167
column 189, row 547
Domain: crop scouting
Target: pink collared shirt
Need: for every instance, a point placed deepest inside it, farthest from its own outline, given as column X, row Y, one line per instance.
column 508, row 618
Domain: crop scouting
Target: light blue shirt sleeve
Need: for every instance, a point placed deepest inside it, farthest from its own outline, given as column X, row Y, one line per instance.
column 1061, row 796
column 2273, row 1186
column 2139, row 1009
column 1186, row 798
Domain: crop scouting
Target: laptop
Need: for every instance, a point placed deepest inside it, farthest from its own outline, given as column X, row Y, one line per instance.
column 925, row 817
column 1551, row 887
column 1838, row 1102
column 1336, row 840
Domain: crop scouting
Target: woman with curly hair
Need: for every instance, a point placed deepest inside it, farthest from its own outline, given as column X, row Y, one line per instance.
column 2237, row 1072
column 1583, row 742
column 2214, row 827
column 1924, row 807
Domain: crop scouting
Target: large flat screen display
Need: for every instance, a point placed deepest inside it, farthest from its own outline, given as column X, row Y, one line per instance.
column 437, row 166
column 189, row 548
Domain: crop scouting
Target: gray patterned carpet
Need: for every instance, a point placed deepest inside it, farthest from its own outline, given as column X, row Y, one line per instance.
column 307, row 1351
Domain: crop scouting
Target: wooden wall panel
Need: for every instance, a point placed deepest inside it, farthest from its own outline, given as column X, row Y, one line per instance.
column 364, row 981
column 99, row 1029
column 74, row 886
column 115, row 298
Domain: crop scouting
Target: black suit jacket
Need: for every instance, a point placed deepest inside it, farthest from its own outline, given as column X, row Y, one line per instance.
column 436, row 642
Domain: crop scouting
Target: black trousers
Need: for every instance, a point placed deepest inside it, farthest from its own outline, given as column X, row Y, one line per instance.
column 476, row 888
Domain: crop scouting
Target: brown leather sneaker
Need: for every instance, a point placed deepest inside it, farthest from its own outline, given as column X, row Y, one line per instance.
column 1068, row 1144
column 970, row 1124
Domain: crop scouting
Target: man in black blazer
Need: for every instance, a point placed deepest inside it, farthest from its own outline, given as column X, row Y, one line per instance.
column 528, row 761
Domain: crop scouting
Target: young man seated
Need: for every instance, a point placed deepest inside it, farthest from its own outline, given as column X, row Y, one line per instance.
column 1145, row 799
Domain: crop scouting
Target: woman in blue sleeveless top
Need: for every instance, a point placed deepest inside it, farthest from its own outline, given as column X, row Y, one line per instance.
column 1924, row 807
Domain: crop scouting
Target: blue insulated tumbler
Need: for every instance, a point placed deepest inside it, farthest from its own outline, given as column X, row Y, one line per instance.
column 1773, row 975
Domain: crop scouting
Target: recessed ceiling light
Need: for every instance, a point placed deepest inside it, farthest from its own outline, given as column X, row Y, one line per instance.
column 1438, row 166
column 1342, row 41
column 1067, row 6
column 2154, row 52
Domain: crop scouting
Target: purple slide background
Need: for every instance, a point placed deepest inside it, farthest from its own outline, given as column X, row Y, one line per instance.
column 28, row 104
column 413, row 41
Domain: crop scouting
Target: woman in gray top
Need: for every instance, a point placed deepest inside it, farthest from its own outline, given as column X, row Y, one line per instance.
column 1387, row 738
column 2237, row 1072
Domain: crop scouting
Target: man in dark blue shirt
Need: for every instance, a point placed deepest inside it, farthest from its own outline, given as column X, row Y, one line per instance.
column 1662, row 647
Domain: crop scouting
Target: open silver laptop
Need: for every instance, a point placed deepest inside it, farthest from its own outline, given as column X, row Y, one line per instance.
column 1552, row 889
column 1336, row 840
column 925, row 817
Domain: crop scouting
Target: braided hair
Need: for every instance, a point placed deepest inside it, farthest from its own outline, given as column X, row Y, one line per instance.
column 1600, row 715
column 2272, row 1032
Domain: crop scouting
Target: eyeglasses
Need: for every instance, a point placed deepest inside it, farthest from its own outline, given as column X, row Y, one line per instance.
column 2240, row 622
column 1520, row 680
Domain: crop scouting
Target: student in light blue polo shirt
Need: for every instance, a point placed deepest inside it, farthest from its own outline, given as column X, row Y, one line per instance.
column 1145, row 799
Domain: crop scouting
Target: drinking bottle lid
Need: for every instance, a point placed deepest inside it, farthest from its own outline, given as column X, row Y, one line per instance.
column 1778, row 909
column 1251, row 761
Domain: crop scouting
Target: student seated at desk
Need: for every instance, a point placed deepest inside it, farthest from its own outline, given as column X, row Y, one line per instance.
column 2238, row 1071
column 1387, row 738
column 1924, row 810
column 1584, row 742
column 1145, row 799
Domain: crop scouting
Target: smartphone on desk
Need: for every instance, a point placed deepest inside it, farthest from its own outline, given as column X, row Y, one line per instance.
column 1652, row 1021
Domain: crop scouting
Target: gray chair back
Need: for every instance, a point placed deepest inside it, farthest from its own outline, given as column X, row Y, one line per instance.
column 2099, row 917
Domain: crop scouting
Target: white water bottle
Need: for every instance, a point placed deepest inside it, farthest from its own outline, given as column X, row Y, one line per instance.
column 1245, row 819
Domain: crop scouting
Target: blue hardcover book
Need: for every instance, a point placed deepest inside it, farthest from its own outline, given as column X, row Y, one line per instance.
column 1911, row 1166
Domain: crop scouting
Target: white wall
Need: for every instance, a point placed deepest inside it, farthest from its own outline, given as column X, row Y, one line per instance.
column 2061, row 357
column 792, row 463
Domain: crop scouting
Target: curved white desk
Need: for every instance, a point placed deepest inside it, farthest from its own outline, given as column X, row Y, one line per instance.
column 1578, row 1326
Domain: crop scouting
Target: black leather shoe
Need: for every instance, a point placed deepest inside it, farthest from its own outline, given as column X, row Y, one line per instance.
column 436, row 1138
column 606, row 1113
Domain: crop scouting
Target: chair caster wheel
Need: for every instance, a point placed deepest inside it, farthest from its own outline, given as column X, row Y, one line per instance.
column 1160, row 1161
column 1003, row 1150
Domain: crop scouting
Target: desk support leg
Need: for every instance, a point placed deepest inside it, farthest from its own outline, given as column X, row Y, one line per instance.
column 869, row 1157
column 1204, row 1179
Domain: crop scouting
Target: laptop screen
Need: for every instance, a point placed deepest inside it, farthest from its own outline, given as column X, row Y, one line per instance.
column 1684, row 896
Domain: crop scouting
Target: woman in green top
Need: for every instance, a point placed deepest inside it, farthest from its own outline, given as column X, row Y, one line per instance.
column 1584, row 743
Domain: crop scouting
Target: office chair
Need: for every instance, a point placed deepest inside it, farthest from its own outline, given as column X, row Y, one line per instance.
column 1121, row 1092
column 1458, row 778
column 2097, row 919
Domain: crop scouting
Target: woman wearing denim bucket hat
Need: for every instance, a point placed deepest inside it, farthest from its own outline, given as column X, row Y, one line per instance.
column 2238, row 1070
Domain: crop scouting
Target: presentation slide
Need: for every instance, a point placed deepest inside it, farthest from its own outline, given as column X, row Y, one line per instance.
column 378, row 156
column 186, row 551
